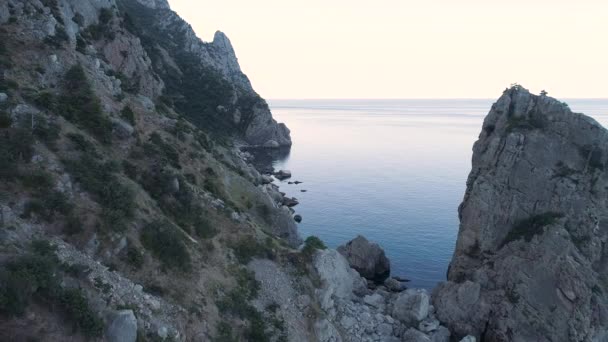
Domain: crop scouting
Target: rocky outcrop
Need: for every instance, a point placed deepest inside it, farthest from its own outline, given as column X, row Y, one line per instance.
column 530, row 260
column 367, row 258
column 355, row 313
column 205, row 77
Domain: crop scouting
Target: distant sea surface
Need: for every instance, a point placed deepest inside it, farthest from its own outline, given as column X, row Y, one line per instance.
column 391, row 170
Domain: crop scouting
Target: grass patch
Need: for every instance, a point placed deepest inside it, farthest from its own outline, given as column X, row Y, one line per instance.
column 528, row 228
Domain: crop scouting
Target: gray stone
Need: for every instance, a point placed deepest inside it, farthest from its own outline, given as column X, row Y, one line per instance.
column 3, row 97
column 122, row 129
column 468, row 338
column 394, row 285
column 339, row 280
column 122, row 327
column 271, row 144
column 385, row 329
column 367, row 258
column 375, row 300
column 411, row 306
column 428, row 325
column 413, row 335
column 442, row 334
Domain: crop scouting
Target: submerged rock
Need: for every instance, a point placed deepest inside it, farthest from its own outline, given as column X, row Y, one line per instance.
column 367, row 258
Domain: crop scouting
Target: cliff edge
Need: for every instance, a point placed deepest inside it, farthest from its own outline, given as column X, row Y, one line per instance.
column 530, row 260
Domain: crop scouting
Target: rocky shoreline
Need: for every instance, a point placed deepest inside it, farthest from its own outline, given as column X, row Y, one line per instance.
column 528, row 262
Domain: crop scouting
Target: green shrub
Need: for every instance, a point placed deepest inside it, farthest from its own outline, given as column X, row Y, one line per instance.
column 73, row 225
column 162, row 151
column 38, row 180
column 130, row 169
column 77, row 310
column 105, row 15
column 48, row 132
column 98, row 178
column 16, row 145
column 33, row 274
column 528, row 228
column 45, row 100
column 5, row 119
column 312, row 244
column 247, row 248
column 167, row 244
column 48, row 206
column 79, row 104
column 56, row 41
column 594, row 156
column 204, row 230
column 236, row 303
column 134, row 257
column 128, row 114
column 81, row 143
column 224, row 333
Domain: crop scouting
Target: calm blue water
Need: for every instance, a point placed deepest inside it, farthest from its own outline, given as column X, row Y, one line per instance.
column 392, row 170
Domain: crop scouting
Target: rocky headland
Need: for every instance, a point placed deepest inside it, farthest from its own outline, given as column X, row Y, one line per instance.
column 131, row 209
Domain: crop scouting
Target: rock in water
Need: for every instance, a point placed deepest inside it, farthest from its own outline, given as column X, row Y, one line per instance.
column 122, row 327
column 290, row 202
column 530, row 260
column 367, row 258
column 297, row 218
column 282, row 174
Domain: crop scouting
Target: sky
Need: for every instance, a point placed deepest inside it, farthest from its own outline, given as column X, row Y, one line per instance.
column 384, row 49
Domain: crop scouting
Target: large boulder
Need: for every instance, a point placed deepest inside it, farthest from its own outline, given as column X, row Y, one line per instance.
column 367, row 258
column 530, row 259
column 411, row 306
column 122, row 327
column 413, row 335
column 338, row 279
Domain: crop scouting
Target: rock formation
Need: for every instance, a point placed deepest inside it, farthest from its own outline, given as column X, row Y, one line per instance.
column 181, row 59
column 367, row 258
column 530, row 260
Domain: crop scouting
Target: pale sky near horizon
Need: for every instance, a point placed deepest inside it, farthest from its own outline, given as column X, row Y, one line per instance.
column 412, row 49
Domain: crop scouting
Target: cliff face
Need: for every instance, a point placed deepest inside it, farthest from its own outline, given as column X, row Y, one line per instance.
column 127, row 209
column 530, row 260
column 204, row 80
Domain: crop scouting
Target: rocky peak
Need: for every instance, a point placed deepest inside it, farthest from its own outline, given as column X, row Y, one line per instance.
column 529, row 260
column 156, row 4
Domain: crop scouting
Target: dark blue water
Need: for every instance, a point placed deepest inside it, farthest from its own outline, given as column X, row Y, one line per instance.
column 392, row 170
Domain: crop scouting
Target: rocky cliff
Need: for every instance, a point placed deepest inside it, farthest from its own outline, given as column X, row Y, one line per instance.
column 203, row 80
column 530, row 260
column 127, row 209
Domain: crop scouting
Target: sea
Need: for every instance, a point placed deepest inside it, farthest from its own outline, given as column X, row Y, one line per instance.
column 391, row 170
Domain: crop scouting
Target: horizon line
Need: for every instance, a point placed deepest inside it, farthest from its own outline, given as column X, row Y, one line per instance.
column 416, row 98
